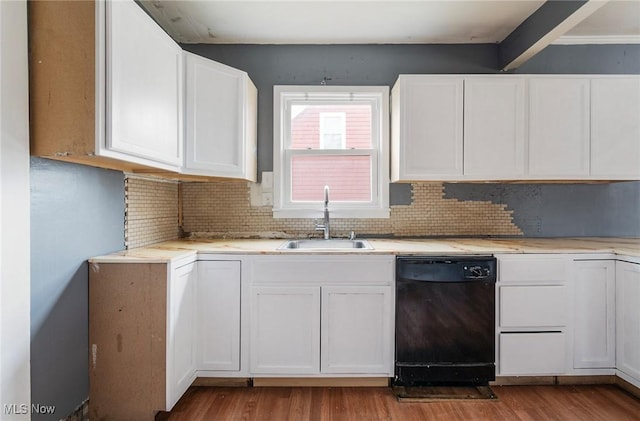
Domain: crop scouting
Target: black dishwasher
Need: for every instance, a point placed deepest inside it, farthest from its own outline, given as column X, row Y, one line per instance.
column 445, row 320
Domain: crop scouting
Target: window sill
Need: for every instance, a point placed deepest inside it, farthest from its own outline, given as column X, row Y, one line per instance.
column 334, row 213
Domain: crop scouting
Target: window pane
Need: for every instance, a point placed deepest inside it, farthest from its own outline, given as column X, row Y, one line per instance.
column 348, row 178
column 339, row 126
column 332, row 130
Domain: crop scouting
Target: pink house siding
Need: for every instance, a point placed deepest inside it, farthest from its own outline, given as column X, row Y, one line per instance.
column 348, row 177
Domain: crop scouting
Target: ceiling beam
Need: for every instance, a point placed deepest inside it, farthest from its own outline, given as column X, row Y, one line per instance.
column 553, row 19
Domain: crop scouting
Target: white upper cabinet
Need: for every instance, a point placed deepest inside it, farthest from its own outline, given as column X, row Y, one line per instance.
column 558, row 128
column 221, row 116
column 143, row 87
column 494, row 128
column 615, row 127
column 508, row 127
column 426, row 137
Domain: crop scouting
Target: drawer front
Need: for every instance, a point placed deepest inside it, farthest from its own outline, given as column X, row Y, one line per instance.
column 532, row 353
column 319, row 269
column 533, row 306
column 546, row 269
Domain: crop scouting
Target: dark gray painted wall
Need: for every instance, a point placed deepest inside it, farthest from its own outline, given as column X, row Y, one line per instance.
column 585, row 59
column 76, row 212
column 561, row 210
column 270, row 65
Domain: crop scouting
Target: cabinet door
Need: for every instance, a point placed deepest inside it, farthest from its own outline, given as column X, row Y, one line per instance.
column 427, row 134
column 536, row 353
column 220, row 119
column 533, row 306
column 494, row 131
column 594, row 314
column 356, row 330
column 144, row 86
column 218, row 319
column 285, row 330
column 181, row 334
column 558, row 128
column 628, row 318
column 615, row 127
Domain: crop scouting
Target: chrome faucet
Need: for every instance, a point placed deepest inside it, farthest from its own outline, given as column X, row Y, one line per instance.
column 325, row 225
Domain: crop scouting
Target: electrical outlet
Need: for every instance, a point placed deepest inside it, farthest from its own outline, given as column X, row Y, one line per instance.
column 255, row 194
column 267, row 199
column 267, row 181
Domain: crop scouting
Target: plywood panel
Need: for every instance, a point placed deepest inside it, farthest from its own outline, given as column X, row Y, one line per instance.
column 127, row 340
column 62, row 77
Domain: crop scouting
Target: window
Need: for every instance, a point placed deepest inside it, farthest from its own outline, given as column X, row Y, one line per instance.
column 332, row 130
column 336, row 136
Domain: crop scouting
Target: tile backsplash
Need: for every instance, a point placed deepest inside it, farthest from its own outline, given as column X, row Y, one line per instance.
column 223, row 209
column 151, row 211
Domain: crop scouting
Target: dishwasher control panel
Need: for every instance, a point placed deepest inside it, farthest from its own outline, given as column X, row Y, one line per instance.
column 446, row 269
column 477, row 271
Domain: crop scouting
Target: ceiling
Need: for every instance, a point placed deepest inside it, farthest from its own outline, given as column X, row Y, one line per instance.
column 374, row 22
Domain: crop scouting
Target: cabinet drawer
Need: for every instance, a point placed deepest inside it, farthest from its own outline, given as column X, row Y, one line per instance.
column 532, row 353
column 319, row 269
column 532, row 269
column 533, row 306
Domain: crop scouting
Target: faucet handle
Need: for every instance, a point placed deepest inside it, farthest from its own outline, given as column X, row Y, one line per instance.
column 352, row 236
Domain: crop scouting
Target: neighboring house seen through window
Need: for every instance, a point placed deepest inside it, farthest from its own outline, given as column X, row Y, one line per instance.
column 333, row 128
column 335, row 136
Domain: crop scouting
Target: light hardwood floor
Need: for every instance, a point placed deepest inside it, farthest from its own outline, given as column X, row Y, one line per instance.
column 531, row 403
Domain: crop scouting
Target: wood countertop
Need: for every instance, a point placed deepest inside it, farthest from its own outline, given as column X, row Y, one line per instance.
column 181, row 249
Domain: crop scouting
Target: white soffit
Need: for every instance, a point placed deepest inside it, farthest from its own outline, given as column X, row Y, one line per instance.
column 340, row 22
column 617, row 22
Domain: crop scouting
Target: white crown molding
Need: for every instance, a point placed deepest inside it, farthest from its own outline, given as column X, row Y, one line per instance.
column 597, row 39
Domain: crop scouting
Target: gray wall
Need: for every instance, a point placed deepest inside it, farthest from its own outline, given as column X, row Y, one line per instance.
column 563, row 210
column 76, row 212
column 548, row 212
column 585, row 59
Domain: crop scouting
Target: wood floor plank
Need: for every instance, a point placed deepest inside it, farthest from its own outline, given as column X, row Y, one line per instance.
column 515, row 403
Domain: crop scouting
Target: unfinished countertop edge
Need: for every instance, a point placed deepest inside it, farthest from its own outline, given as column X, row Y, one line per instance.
column 172, row 251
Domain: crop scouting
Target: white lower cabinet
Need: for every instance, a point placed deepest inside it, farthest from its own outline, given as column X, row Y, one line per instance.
column 352, row 326
column 533, row 314
column 533, row 306
column 533, row 353
column 628, row 321
column 356, row 329
column 181, row 361
column 285, row 330
column 594, row 314
column 317, row 315
column 218, row 322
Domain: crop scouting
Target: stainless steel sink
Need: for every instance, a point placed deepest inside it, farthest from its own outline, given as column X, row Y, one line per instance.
column 319, row 244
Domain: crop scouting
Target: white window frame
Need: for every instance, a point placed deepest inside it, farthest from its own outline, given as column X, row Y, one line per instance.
column 286, row 96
